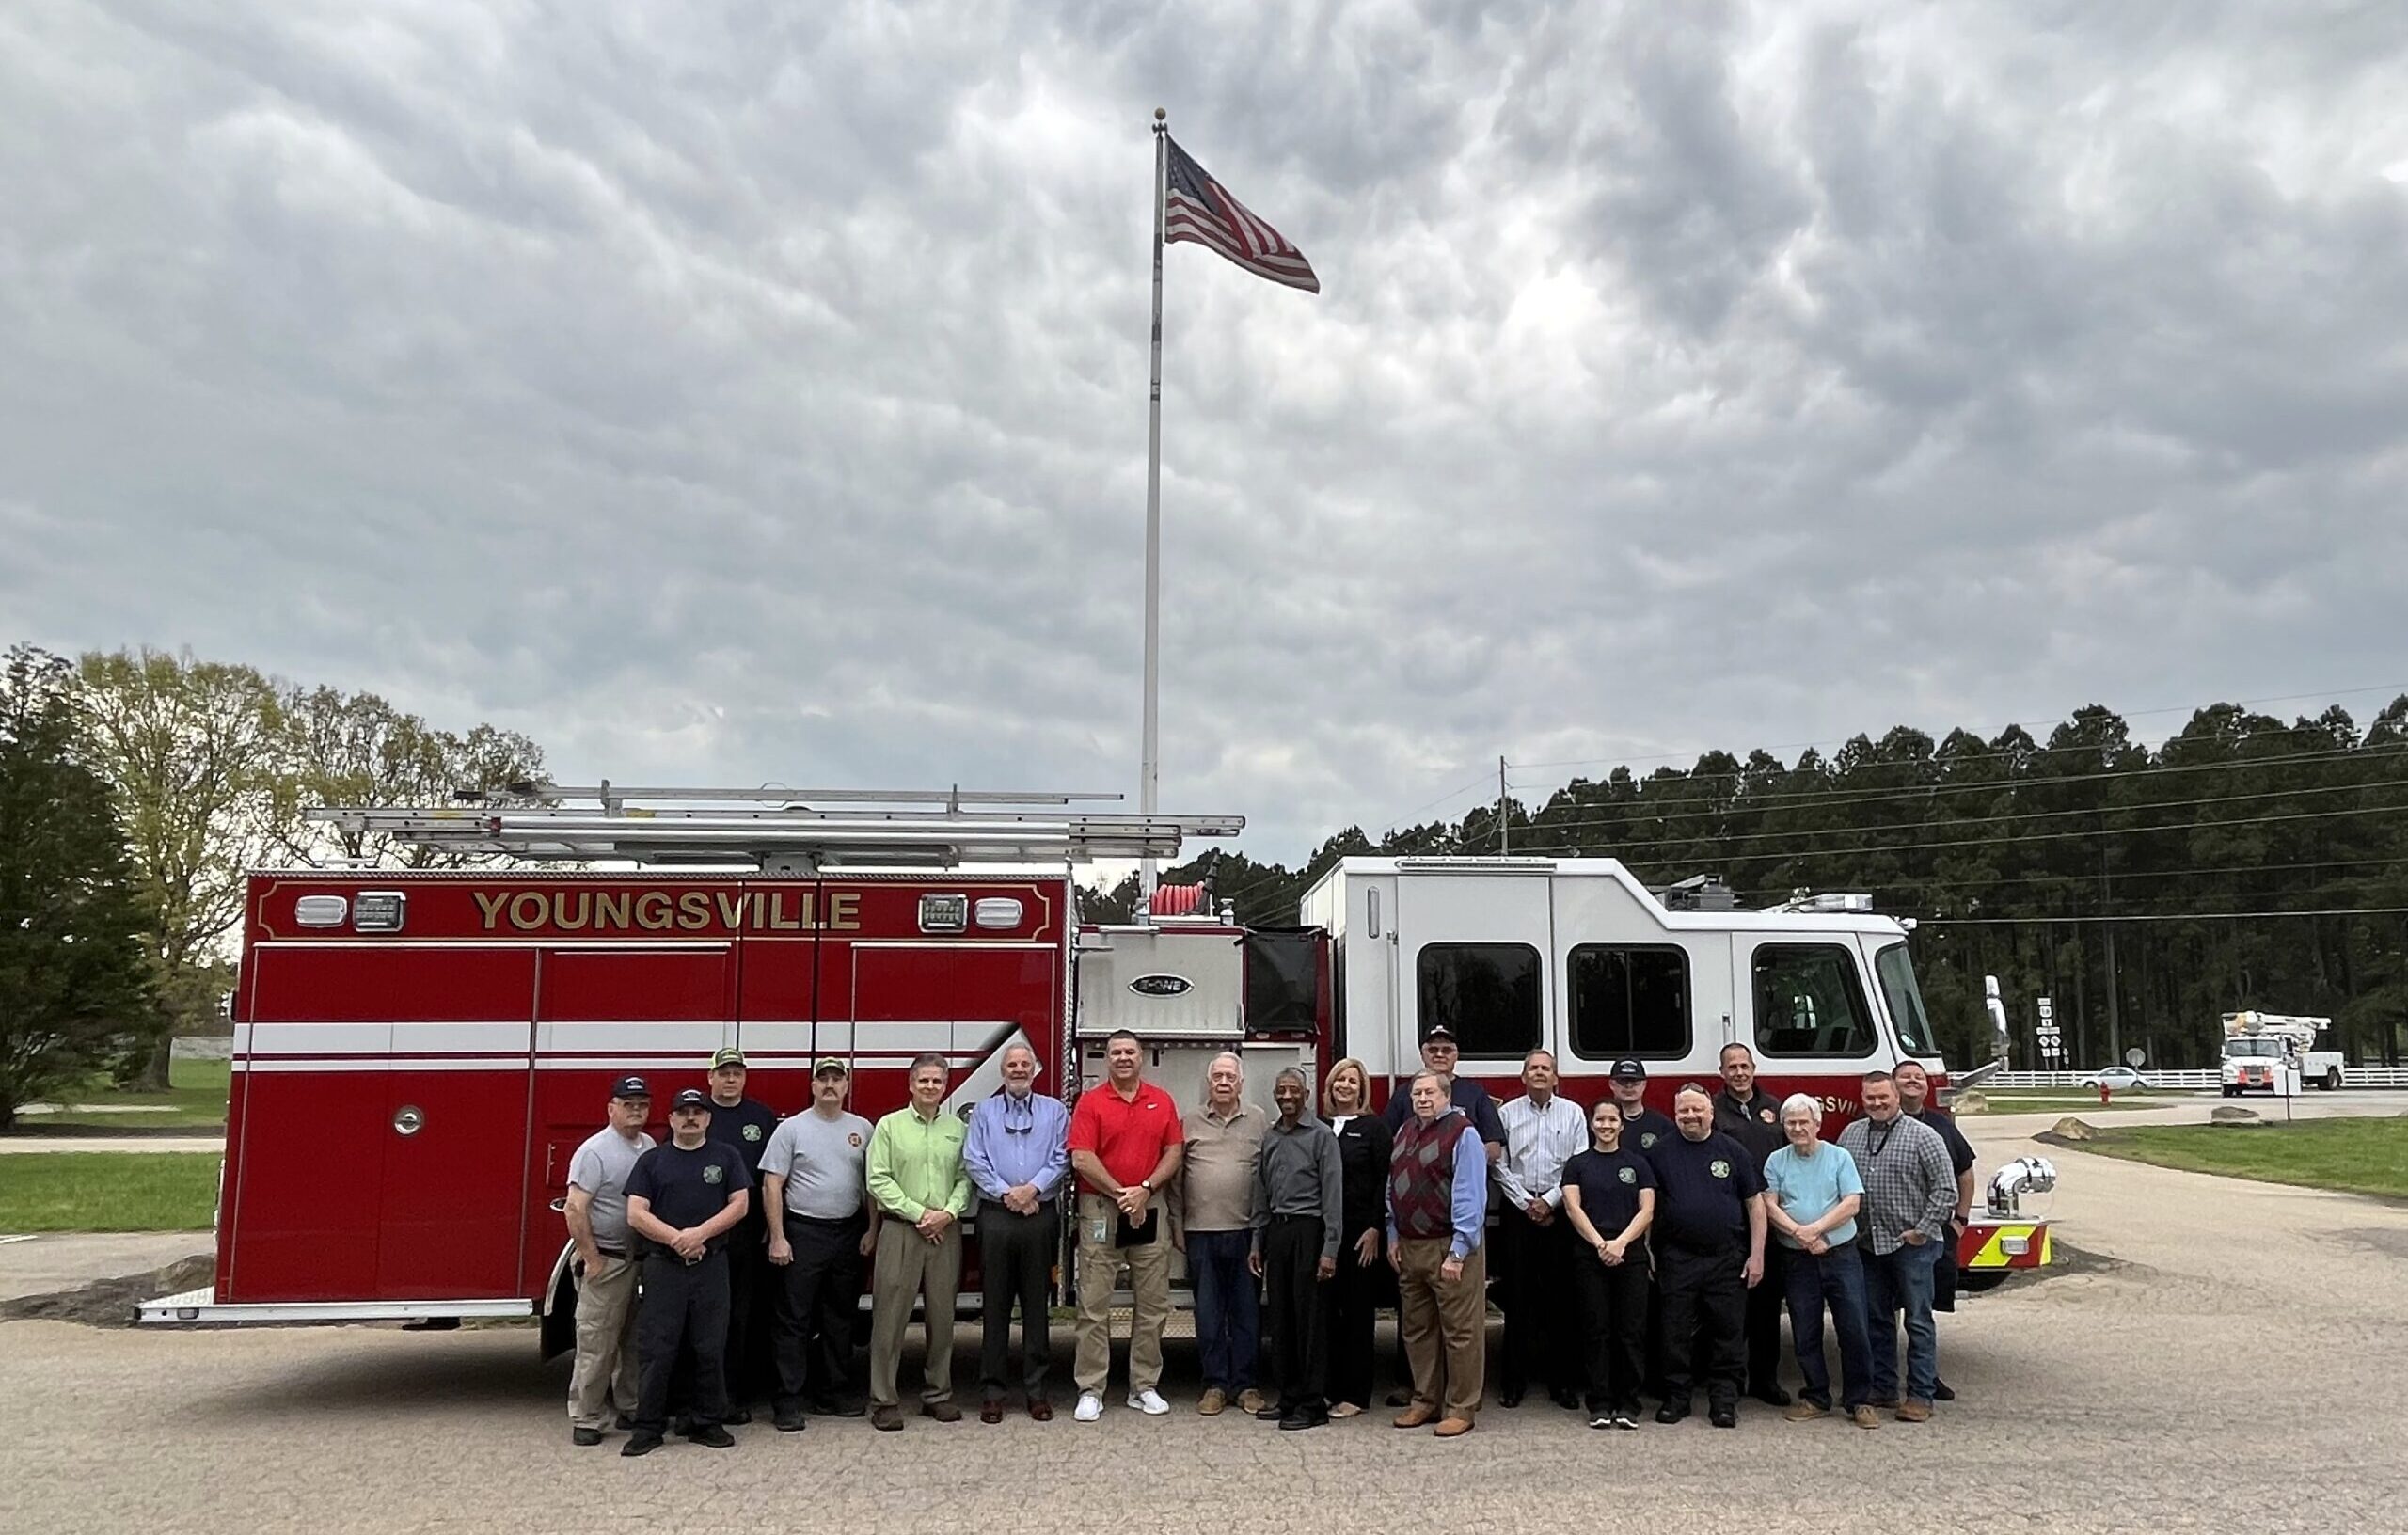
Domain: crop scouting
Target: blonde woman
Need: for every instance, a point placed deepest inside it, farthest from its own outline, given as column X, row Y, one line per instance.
column 1364, row 1282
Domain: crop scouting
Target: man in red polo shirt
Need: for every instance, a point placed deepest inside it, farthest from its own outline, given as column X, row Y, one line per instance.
column 1125, row 1145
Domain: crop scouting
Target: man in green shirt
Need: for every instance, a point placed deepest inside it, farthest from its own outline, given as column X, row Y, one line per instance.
column 915, row 1176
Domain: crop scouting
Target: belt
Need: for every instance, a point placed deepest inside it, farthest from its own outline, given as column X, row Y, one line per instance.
column 609, row 1251
column 1315, row 1219
column 856, row 1218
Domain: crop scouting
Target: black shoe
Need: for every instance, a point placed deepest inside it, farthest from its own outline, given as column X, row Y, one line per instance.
column 626, row 1421
column 1671, row 1412
column 1275, row 1413
column 738, row 1416
column 682, row 1423
column 1305, row 1417
column 1772, row 1396
column 1509, row 1396
column 1940, row 1391
column 712, row 1435
column 837, row 1406
column 1565, row 1398
column 588, row 1437
column 1399, row 1399
column 1724, row 1417
column 790, row 1423
column 642, row 1444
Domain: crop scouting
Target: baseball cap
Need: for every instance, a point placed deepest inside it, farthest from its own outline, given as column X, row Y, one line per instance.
column 631, row 1087
column 1627, row 1070
column 692, row 1098
column 730, row 1056
column 1438, row 1034
column 829, row 1062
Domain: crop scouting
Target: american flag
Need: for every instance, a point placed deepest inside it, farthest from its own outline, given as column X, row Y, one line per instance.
column 1198, row 208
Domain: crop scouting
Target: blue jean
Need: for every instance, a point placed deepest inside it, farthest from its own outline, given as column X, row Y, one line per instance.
column 1901, row 1281
column 1833, row 1280
column 1227, row 1306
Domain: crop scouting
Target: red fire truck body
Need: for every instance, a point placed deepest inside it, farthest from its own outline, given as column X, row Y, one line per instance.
column 407, row 1099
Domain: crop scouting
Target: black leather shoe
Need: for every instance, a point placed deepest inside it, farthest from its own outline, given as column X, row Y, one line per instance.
column 712, row 1435
column 1509, row 1396
column 1304, row 1419
column 584, row 1436
column 1772, row 1396
column 642, row 1444
column 1274, row 1412
column 1671, row 1412
column 837, row 1406
column 738, row 1416
column 1725, row 1417
column 1565, row 1398
column 790, row 1422
column 1940, row 1391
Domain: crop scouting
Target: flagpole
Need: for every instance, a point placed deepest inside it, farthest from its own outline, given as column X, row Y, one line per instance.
column 1151, row 772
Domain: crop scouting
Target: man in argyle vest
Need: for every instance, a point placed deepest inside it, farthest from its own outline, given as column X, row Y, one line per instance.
column 1437, row 1218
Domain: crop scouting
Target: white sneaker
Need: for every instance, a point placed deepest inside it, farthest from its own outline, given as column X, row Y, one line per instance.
column 1150, row 1402
column 1091, row 1406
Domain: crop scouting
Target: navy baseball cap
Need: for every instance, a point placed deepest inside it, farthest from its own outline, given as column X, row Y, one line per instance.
column 631, row 1087
column 1627, row 1070
column 692, row 1098
column 1438, row 1034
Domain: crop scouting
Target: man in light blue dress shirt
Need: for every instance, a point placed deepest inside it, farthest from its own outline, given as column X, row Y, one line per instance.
column 1017, row 1159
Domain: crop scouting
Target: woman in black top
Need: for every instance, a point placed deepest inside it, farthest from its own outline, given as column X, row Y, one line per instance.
column 1610, row 1197
column 1364, row 1282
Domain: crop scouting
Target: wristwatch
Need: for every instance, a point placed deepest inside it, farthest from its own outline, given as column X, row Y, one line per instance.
column 1146, row 1184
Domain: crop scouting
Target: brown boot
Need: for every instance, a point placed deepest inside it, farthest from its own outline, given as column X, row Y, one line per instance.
column 1864, row 1417
column 1912, row 1411
column 1415, row 1415
column 1214, row 1402
column 1452, row 1428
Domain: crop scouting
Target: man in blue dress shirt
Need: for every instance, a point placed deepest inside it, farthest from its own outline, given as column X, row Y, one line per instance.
column 1017, row 1160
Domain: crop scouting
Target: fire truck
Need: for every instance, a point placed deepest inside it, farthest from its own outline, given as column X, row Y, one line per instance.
column 418, row 1054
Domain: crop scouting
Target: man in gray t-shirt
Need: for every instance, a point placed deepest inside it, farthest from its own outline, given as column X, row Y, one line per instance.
column 814, row 1177
column 597, row 1210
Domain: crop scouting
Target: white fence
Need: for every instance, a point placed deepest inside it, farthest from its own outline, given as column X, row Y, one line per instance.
column 2352, row 1076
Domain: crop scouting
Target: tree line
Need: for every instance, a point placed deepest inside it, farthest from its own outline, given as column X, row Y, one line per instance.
column 2245, row 862
column 137, row 788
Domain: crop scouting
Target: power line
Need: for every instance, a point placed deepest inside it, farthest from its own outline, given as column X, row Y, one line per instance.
column 2169, row 916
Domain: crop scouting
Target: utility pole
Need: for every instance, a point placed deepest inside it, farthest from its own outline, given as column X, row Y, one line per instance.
column 1504, row 826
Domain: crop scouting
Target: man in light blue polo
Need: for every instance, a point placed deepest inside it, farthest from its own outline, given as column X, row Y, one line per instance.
column 1018, row 1157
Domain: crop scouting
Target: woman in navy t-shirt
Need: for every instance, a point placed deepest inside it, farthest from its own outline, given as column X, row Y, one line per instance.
column 1609, row 1193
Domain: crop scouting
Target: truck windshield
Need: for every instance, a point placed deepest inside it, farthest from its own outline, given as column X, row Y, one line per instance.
column 2252, row 1050
column 1898, row 988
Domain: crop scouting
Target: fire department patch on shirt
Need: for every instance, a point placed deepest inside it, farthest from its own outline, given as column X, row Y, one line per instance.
column 1718, row 1167
column 714, row 1173
column 854, row 1141
column 752, row 1132
column 1629, row 1174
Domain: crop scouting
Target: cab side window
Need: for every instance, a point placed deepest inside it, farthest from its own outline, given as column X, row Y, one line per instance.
column 1810, row 1001
column 1629, row 1000
column 1487, row 993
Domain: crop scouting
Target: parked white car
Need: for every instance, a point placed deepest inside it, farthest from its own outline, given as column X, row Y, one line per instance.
column 2122, row 1079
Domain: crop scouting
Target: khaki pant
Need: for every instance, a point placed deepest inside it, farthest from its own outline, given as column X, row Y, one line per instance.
column 1445, row 1324
column 911, row 1267
column 1149, row 1286
column 605, row 1343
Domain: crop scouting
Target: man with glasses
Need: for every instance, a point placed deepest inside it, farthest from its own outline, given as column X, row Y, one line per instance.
column 1909, row 1195
column 1017, row 1159
column 683, row 1199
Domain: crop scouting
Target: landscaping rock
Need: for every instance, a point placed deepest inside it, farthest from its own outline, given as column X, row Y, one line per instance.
column 2234, row 1117
column 1970, row 1103
column 2071, row 1129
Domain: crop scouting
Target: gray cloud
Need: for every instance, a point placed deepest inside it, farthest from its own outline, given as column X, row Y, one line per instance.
column 731, row 392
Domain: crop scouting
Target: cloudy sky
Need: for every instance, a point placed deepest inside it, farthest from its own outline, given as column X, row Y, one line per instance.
column 723, row 393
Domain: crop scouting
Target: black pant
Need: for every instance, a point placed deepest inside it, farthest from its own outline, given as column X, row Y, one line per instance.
column 1298, row 1324
column 818, row 1307
column 1354, row 1299
column 1765, row 1304
column 684, row 1313
column 1016, row 1256
column 1537, row 1290
column 1613, row 1324
column 1705, row 1311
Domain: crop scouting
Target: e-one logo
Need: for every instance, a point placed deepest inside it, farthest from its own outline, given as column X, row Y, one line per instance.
column 1161, row 986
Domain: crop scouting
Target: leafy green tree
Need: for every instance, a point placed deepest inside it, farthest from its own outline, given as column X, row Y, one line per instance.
column 74, row 977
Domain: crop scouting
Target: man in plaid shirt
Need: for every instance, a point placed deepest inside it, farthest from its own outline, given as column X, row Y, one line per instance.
column 1910, row 1193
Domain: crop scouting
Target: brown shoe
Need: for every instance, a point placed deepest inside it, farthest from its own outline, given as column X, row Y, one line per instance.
column 1041, row 1409
column 1912, row 1411
column 943, row 1412
column 1802, row 1411
column 1212, row 1401
column 1415, row 1415
column 1865, row 1417
column 1452, row 1428
column 990, row 1410
column 1883, row 1404
column 886, row 1418
column 1251, row 1401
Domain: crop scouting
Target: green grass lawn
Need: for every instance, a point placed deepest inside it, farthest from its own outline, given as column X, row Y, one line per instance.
column 2355, row 1156
column 2066, row 1102
column 106, row 1191
column 195, row 1099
